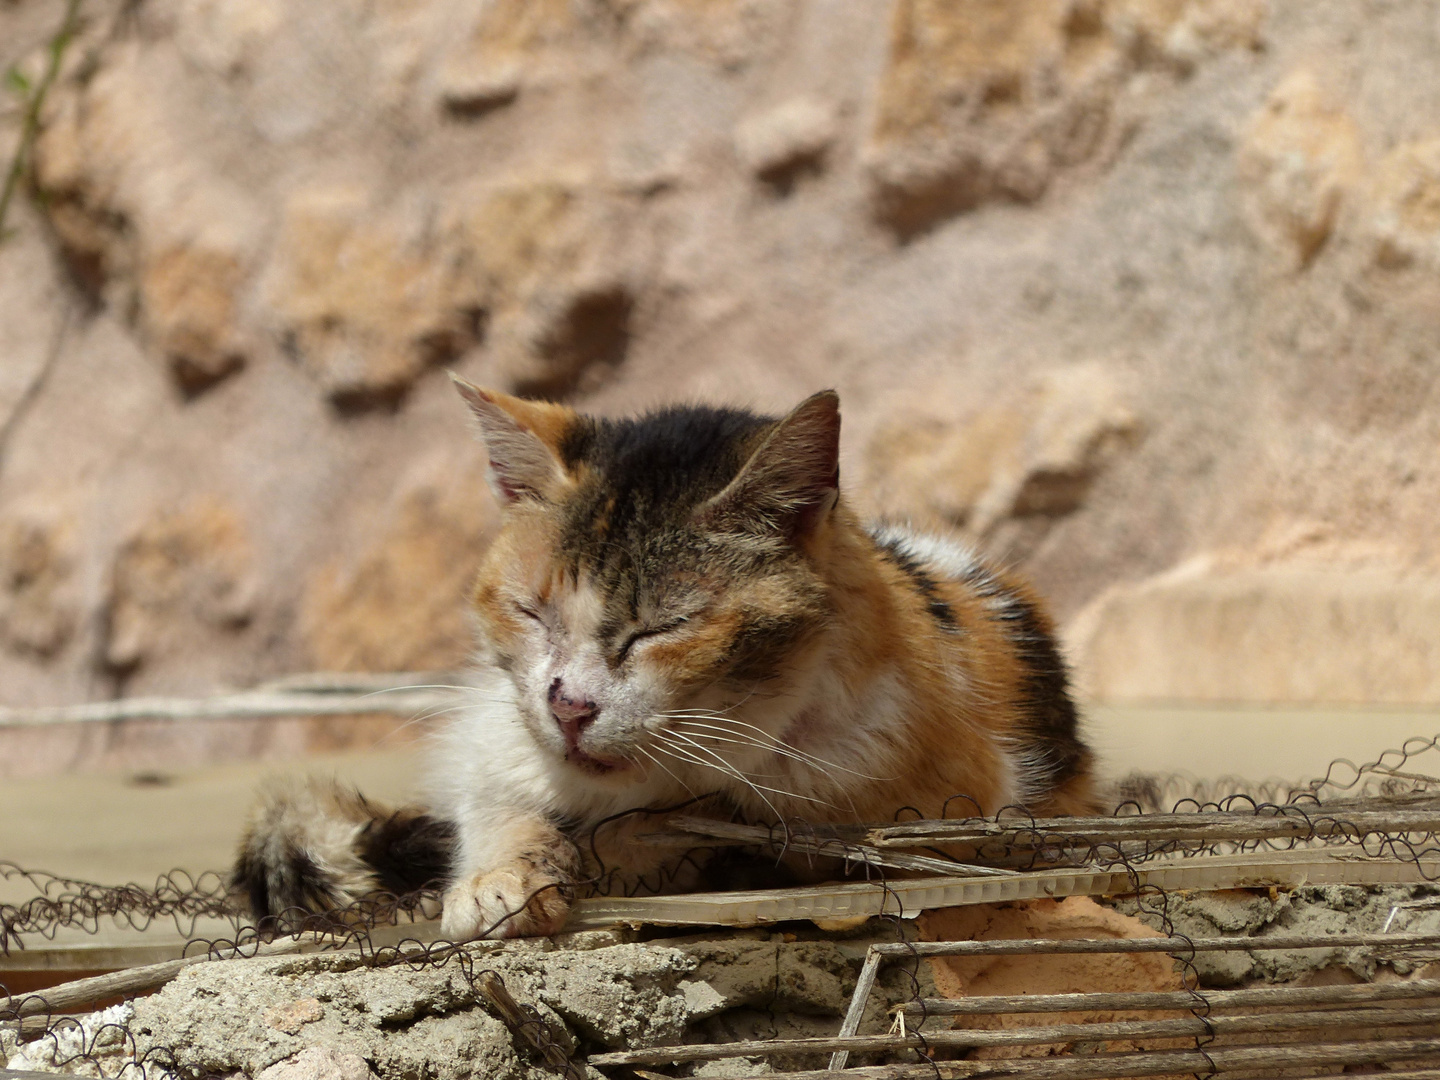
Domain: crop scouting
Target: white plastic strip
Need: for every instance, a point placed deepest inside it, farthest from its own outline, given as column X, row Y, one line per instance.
column 908, row 897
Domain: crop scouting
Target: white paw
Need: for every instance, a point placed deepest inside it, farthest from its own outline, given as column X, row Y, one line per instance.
column 516, row 901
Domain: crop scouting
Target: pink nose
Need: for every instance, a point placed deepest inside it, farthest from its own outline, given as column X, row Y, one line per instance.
column 572, row 712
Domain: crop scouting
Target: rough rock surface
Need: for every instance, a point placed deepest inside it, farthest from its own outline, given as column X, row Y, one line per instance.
column 1110, row 283
column 330, row 1018
column 336, row 1017
column 1297, row 632
column 1311, row 909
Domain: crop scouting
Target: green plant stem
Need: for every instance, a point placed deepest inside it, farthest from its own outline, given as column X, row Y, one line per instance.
column 31, row 124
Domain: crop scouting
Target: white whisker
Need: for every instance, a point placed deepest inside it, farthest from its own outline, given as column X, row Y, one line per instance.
column 430, row 715
column 733, row 771
column 783, row 747
column 681, row 754
column 669, row 770
column 419, row 686
column 738, row 739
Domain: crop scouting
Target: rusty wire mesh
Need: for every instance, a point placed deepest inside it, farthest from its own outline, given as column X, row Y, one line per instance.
column 1377, row 809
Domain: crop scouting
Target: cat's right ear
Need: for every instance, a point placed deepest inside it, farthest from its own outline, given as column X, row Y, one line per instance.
column 523, row 440
column 792, row 480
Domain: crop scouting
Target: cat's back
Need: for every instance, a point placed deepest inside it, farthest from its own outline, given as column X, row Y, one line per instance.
column 996, row 651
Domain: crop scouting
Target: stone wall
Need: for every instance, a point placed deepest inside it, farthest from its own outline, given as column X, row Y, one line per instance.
column 1114, row 285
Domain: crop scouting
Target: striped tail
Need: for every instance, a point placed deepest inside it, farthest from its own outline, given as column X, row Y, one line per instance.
column 313, row 846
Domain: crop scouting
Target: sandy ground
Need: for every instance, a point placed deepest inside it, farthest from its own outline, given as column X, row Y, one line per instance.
column 121, row 827
column 1291, row 744
column 124, row 827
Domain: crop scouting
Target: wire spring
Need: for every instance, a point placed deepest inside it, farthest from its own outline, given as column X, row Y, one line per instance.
column 1318, row 808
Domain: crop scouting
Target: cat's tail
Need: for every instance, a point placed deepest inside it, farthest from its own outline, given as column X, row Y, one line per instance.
column 315, row 846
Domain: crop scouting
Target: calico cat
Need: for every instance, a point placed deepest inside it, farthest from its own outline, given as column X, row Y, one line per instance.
column 679, row 605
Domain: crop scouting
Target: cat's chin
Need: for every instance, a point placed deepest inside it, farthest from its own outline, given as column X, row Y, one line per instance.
column 595, row 766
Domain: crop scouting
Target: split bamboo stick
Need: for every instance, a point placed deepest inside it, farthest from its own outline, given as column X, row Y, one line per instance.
column 1178, row 1028
column 1179, row 945
column 1289, row 822
column 1146, row 1062
column 1251, row 997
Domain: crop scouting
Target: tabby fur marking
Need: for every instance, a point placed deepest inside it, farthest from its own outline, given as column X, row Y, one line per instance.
column 679, row 606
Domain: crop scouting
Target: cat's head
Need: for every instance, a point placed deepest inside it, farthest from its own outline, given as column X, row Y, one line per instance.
column 656, row 579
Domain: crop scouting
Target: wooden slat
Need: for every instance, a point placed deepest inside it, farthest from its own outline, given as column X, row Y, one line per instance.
column 118, row 950
column 1179, row 944
column 1252, row 997
column 1288, row 823
column 906, row 897
column 805, row 843
column 1146, row 1062
column 1039, row 1035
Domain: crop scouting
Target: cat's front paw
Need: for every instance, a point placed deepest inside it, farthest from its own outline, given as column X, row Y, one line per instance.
column 516, row 901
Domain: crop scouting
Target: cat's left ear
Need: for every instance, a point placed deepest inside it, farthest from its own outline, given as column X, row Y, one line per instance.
column 523, row 439
column 792, row 480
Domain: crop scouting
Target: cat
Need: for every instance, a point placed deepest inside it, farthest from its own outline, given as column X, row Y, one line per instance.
column 677, row 605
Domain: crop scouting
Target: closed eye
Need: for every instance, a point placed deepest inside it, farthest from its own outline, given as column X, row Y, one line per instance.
column 530, row 613
column 648, row 632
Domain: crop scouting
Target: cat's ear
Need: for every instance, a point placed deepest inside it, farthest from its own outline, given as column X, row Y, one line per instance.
column 523, row 439
column 792, row 480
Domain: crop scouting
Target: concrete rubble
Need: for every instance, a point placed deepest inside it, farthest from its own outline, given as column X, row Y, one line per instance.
column 335, row 1017
column 1320, row 909
column 332, row 1017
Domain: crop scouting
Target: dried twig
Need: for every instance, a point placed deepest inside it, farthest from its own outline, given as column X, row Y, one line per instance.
column 1180, row 945
column 861, row 995
column 523, row 1024
column 876, row 954
column 907, row 897
column 1148, row 1062
column 1293, row 822
column 806, row 842
column 35, row 101
column 963, row 1039
column 1248, row 998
